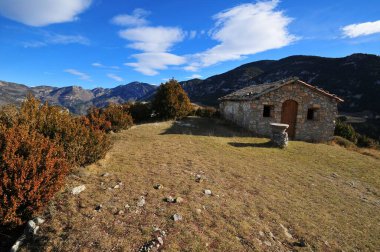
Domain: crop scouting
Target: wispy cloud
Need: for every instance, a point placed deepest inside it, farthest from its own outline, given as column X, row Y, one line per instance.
column 42, row 12
column 361, row 29
column 152, row 39
column 155, row 42
column 137, row 18
column 245, row 30
column 149, row 63
column 115, row 77
column 49, row 38
column 100, row 65
column 194, row 76
column 81, row 75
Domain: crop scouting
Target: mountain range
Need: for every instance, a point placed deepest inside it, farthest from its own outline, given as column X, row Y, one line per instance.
column 355, row 78
column 75, row 98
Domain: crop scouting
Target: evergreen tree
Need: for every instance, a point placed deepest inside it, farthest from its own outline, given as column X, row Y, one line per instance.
column 171, row 101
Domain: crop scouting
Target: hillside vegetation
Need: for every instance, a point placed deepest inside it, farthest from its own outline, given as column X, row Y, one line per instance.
column 305, row 197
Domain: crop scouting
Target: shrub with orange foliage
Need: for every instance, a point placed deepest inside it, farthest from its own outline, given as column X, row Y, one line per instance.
column 97, row 120
column 82, row 141
column 120, row 119
column 111, row 118
column 32, row 169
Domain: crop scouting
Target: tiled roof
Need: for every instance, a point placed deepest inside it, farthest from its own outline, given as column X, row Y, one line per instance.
column 255, row 91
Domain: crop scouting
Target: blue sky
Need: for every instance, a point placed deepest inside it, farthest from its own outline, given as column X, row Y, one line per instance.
column 95, row 43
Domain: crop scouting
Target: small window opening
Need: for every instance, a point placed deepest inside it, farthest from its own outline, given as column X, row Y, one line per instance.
column 268, row 110
column 312, row 114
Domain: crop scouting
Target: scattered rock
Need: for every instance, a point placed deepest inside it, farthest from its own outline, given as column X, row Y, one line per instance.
column 198, row 211
column 152, row 245
column 31, row 227
column 78, row 189
column 261, row 233
column 198, row 178
column 38, row 220
column 179, row 200
column 351, row 183
column 82, row 205
column 158, row 186
column 105, row 174
column 99, row 207
column 170, row 199
column 120, row 212
column 141, row 201
column 18, row 243
column 207, row 192
column 177, row 217
column 116, row 186
column 127, row 206
column 160, row 240
column 286, row 232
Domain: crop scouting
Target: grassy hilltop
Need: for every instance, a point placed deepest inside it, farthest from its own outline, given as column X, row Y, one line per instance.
column 307, row 196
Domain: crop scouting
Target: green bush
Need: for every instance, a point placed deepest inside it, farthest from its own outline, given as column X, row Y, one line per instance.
column 140, row 112
column 171, row 101
column 345, row 130
column 343, row 142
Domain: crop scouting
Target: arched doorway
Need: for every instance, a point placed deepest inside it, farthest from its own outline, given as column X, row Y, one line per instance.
column 289, row 116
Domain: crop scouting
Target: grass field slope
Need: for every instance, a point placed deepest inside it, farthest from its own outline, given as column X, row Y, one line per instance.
column 307, row 197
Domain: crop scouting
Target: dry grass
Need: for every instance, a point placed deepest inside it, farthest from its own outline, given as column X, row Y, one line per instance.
column 324, row 195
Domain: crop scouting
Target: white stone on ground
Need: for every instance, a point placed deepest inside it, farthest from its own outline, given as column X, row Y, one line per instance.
column 78, row 189
column 141, row 201
column 207, row 192
column 177, row 217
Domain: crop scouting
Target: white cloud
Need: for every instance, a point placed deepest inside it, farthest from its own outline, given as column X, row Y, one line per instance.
column 42, row 12
column 55, row 39
column 81, row 75
column 245, row 30
column 361, row 29
column 114, row 77
column 194, row 76
column 138, row 18
column 148, row 63
column 152, row 39
column 155, row 43
column 100, row 65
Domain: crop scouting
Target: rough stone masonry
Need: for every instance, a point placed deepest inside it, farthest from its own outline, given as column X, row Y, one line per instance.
column 312, row 115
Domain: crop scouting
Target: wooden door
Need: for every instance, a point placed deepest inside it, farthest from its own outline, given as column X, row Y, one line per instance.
column 289, row 116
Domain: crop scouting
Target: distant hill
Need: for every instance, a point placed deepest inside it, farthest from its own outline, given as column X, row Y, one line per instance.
column 75, row 98
column 355, row 78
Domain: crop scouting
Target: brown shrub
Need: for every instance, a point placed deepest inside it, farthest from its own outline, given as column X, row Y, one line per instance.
column 119, row 118
column 97, row 120
column 32, row 169
column 82, row 141
column 8, row 115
